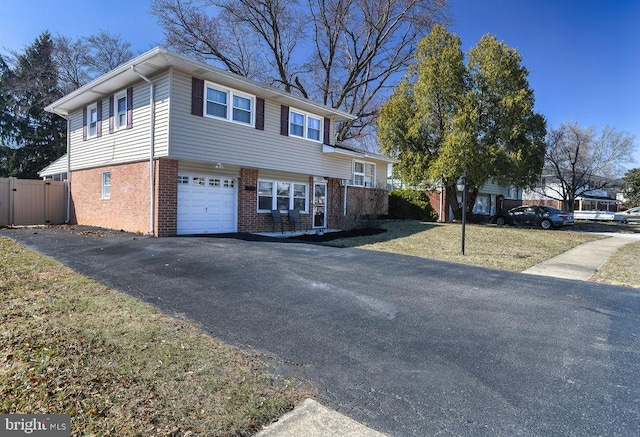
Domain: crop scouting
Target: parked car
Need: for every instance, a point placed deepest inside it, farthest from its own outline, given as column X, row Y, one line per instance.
column 630, row 215
column 545, row 217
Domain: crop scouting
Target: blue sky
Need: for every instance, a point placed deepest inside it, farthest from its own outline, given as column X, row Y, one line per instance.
column 583, row 55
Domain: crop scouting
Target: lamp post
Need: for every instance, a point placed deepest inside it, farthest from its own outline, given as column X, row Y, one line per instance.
column 464, row 207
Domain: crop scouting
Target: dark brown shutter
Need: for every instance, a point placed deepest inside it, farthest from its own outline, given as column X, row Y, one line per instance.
column 197, row 96
column 327, row 130
column 99, row 114
column 259, row 113
column 130, row 107
column 84, row 124
column 111, row 114
column 284, row 120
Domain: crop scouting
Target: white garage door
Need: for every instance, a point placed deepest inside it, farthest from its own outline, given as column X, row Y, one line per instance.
column 206, row 204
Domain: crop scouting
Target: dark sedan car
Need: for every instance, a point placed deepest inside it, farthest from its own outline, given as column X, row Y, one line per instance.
column 545, row 217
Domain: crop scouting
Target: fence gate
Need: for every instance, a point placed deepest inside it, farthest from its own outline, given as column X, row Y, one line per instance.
column 32, row 202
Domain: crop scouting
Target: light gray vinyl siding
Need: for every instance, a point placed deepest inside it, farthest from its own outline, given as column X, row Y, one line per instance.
column 124, row 145
column 233, row 144
column 492, row 187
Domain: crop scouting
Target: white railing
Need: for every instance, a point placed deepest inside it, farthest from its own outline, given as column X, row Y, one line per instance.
column 597, row 215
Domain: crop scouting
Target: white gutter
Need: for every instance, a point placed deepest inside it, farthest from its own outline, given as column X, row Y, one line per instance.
column 152, row 179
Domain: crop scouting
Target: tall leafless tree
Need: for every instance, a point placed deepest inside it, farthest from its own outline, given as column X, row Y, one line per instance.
column 80, row 60
column 579, row 160
column 72, row 58
column 343, row 53
column 107, row 51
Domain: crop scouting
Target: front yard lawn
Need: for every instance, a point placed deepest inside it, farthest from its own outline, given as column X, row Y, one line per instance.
column 119, row 367
column 507, row 248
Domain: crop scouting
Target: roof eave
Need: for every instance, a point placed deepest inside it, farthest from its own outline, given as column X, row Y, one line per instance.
column 337, row 150
column 160, row 59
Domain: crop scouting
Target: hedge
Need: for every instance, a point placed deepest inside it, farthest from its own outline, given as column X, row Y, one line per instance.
column 411, row 204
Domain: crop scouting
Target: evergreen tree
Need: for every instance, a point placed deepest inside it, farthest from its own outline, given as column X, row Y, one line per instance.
column 30, row 137
column 632, row 187
column 448, row 118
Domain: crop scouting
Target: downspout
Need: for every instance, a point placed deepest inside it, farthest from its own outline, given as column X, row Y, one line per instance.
column 440, row 211
column 344, row 207
column 68, row 217
column 152, row 179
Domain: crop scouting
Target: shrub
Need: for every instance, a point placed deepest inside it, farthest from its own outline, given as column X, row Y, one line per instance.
column 411, row 204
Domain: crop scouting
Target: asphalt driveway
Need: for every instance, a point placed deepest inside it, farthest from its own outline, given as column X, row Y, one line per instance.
column 406, row 345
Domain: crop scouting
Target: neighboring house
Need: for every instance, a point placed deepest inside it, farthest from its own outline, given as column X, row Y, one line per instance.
column 587, row 199
column 492, row 198
column 168, row 145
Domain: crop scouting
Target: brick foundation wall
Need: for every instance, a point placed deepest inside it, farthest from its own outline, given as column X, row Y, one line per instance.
column 128, row 207
column 166, row 214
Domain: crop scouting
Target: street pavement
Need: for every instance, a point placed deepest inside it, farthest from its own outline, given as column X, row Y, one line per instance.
column 403, row 345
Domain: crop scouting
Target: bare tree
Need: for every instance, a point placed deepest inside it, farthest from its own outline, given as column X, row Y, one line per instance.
column 72, row 58
column 107, row 51
column 354, row 50
column 81, row 60
column 579, row 160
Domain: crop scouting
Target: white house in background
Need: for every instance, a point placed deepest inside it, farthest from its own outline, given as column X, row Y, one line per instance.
column 168, row 145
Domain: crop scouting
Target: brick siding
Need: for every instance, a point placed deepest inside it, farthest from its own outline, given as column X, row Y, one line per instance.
column 128, row 207
column 166, row 214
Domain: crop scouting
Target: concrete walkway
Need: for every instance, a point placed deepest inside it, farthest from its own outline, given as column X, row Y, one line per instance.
column 310, row 419
column 581, row 262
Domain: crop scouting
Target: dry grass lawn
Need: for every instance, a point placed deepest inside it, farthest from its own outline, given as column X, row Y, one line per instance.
column 507, row 248
column 622, row 268
column 69, row 345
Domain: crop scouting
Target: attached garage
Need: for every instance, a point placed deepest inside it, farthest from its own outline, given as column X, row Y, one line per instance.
column 207, row 204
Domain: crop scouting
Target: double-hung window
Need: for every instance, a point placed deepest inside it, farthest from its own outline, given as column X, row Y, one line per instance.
column 364, row 174
column 106, row 185
column 228, row 104
column 120, row 110
column 92, row 128
column 282, row 196
column 305, row 125
column 314, row 126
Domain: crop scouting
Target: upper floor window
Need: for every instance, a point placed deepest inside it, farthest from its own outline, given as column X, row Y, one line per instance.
column 92, row 116
column 304, row 125
column 120, row 110
column 364, row 174
column 228, row 104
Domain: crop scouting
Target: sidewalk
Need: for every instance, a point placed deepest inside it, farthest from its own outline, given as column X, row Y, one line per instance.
column 310, row 419
column 582, row 261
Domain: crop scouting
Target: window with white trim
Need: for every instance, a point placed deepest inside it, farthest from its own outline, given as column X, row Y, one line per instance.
column 282, row 195
column 228, row 104
column 106, row 185
column 305, row 125
column 92, row 121
column 120, row 110
column 364, row 174
column 482, row 205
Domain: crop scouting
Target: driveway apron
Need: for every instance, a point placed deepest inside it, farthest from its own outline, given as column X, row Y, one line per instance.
column 405, row 345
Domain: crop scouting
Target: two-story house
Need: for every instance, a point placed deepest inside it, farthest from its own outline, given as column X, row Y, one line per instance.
column 167, row 145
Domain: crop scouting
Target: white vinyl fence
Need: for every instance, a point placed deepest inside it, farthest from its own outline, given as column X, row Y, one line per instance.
column 32, row 202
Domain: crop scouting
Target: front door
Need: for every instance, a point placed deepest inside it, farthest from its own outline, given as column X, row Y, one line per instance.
column 319, row 205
